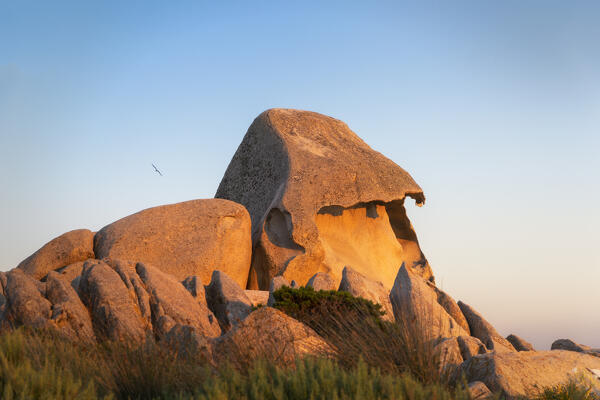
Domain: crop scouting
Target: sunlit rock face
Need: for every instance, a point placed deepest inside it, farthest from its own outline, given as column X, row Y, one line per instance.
column 320, row 199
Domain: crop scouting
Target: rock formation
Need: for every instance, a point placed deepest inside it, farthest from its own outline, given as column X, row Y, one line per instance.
column 227, row 300
column 322, row 281
column 519, row 344
column 320, row 199
column 68, row 248
column 360, row 286
column 190, row 238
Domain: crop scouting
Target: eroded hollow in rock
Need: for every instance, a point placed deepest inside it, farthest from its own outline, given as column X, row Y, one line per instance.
column 373, row 238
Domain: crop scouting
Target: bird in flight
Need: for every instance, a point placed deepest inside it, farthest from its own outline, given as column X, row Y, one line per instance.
column 156, row 169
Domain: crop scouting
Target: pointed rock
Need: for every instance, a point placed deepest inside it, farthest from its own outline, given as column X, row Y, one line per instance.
column 68, row 312
column 172, row 304
column 484, row 331
column 446, row 301
column 68, row 248
column 276, row 283
column 322, row 281
column 470, row 346
column 415, row 302
column 519, row 344
column 359, row 285
column 115, row 314
column 227, row 300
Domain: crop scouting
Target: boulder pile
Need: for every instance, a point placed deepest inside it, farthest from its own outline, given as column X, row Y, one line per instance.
column 304, row 202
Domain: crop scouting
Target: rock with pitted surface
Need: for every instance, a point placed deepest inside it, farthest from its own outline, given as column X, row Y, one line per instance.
column 270, row 334
column 322, row 281
column 190, row 238
column 415, row 302
column 484, row 331
column 172, row 304
column 227, row 300
column 258, row 297
column 519, row 343
column 360, row 286
column 68, row 248
column 526, row 373
column 26, row 305
column 320, row 199
column 68, row 312
column 114, row 309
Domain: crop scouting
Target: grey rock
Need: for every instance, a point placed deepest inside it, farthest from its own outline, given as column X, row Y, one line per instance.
column 276, row 283
column 227, row 300
column 68, row 312
column 322, row 281
column 173, row 305
column 359, row 285
column 446, row 301
column 470, row 346
column 484, row 331
column 569, row 345
column 114, row 311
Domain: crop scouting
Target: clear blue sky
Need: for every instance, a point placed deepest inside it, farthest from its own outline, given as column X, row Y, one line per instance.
column 494, row 107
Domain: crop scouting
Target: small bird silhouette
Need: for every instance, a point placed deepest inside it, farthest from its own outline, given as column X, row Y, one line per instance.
column 156, row 169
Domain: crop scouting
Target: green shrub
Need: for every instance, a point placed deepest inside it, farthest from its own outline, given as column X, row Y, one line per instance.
column 569, row 391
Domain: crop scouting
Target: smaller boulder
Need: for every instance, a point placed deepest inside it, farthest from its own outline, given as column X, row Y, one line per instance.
column 470, row 346
column 227, row 300
column 446, row 301
column 484, row 331
column 269, row 334
column 359, row 285
column 449, row 353
column 478, row 391
column 258, row 297
column 569, row 345
column 519, row 344
column 68, row 248
column 276, row 283
column 322, row 281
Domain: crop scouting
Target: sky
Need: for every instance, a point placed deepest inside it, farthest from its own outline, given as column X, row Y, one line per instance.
column 493, row 107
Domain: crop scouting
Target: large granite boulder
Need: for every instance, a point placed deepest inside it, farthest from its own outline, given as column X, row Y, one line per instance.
column 320, row 199
column 415, row 302
column 525, row 373
column 484, row 331
column 190, row 238
column 68, row 248
column 26, row 304
column 360, row 286
column 269, row 334
column 172, row 304
column 114, row 309
column 227, row 300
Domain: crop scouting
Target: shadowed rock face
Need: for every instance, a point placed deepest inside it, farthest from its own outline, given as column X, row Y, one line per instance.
column 320, row 199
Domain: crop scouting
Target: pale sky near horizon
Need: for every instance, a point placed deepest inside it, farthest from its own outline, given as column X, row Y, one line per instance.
column 494, row 108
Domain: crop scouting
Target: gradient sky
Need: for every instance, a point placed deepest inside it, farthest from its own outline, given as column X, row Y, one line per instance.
column 493, row 108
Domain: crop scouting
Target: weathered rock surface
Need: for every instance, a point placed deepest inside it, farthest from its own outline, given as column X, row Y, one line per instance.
column 525, row 373
column 484, row 331
column 72, row 272
column 519, row 344
column 276, row 283
column 190, row 238
column 479, row 391
column 415, row 302
column 569, row 345
column 26, row 305
column 68, row 312
column 470, row 346
column 271, row 334
column 320, row 199
column 258, row 297
column 360, row 286
column 322, row 281
column 114, row 310
column 172, row 304
column 449, row 352
column 446, row 301
column 68, row 248
column 227, row 300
